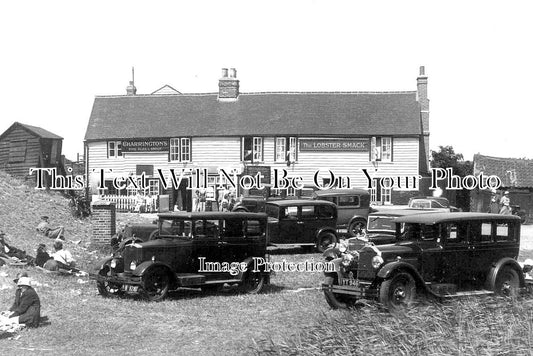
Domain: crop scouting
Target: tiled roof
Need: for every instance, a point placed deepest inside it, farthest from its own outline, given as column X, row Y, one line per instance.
column 38, row 131
column 333, row 114
column 514, row 172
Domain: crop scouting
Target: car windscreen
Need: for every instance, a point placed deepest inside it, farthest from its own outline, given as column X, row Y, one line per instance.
column 175, row 227
column 272, row 211
column 381, row 223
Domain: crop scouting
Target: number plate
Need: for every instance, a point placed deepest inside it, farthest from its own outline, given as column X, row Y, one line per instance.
column 130, row 288
column 349, row 282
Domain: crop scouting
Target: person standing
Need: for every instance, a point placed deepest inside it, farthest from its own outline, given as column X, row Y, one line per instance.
column 196, row 201
column 494, row 207
column 505, row 202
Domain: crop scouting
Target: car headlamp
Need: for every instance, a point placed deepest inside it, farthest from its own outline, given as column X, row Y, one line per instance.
column 113, row 264
column 377, row 261
column 133, row 265
column 342, row 248
column 347, row 259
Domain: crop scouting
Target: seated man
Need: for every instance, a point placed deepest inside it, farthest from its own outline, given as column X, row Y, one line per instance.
column 46, row 230
column 42, row 255
column 61, row 259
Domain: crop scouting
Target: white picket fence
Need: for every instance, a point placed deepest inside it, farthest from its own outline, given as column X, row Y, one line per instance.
column 125, row 203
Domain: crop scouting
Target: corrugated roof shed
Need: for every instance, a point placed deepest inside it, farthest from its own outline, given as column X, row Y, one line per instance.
column 514, row 172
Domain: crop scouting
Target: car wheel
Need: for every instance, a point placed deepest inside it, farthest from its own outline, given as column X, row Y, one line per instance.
column 154, row 235
column 253, row 282
column 240, row 210
column 336, row 301
column 356, row 227
column 107, row 289
column 155, row 284
column 398, row 291
column 325, row 240
column 507, row 282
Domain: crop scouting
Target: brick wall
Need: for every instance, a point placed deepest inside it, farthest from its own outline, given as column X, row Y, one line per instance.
column 103, row 222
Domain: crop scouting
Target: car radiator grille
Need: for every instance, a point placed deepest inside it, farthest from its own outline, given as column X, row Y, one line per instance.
column 364, row 267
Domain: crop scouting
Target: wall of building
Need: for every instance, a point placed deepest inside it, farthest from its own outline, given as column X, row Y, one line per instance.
column 225, row 152
column 31, row 159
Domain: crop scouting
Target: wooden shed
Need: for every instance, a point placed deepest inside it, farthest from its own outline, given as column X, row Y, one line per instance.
column 24, row 146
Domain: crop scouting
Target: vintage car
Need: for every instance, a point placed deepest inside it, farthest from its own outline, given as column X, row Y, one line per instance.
column 353, row 207
column 440, row 203
column 438, row 254
column 307, row 223
column 199, row 249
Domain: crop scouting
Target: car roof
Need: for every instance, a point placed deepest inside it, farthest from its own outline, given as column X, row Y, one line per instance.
column 403, row 212
column 435, row 218
column 212, row 215
column 287, row 202
column 341, row 191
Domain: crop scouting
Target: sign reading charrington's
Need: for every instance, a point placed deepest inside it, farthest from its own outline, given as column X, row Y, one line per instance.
column 343, row 144
column 145, row 145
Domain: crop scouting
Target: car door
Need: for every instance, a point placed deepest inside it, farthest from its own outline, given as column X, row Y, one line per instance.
column 290, row 226
column 455, row 263
column 205, row 238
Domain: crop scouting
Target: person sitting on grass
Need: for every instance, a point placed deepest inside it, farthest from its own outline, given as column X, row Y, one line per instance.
column 26, row 308
column 61, row 259
column 46, row 230
column 42, row 255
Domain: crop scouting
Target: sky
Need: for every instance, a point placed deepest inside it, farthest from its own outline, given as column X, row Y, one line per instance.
column 58, row 55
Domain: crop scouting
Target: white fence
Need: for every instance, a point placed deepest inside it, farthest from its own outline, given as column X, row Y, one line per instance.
column 131, row 203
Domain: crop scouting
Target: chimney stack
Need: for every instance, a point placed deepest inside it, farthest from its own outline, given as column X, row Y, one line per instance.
column 422, row 98
column 130, row 89
column 228, row 85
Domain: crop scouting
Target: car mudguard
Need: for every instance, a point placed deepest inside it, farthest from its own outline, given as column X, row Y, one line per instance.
column 323, row 230
column 356, row 217
column 102, row 263
column 389, row 269
column 143, row 267
column 250, row 266
column 507, row 261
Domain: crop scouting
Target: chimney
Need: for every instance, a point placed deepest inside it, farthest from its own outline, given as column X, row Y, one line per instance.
column 422, row 98
column 228, row 86
column 130, row 89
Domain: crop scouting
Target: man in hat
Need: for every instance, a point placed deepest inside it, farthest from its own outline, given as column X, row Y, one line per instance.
column 505, row 204
column 46, row 230
column 27, row 307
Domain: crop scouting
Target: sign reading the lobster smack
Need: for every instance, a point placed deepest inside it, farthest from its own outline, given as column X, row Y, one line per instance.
column 346, row 144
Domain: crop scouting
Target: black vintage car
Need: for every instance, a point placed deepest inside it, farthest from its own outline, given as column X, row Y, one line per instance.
column 199, row 249
column 438, row 254
column 302, row 222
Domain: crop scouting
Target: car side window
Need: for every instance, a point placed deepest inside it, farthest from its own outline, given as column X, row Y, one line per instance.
column 325, row 212
column 505, row 232
column 480, row 232
column 349, row 200
column 308, row 212
column 289, row 213
column 254, row 228
column 331, row 199
column 233, row 227
column 455, row 232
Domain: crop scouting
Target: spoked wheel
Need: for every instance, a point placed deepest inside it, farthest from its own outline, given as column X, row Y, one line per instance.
column 325, row 240
column 155, row 284
column 356, row 227
column 336, row 301
column 507, row 282
column 253, row 282
column 108, row 289
column 398, row 291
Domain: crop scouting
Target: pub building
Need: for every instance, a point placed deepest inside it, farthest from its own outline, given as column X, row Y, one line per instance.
column 325, row 138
